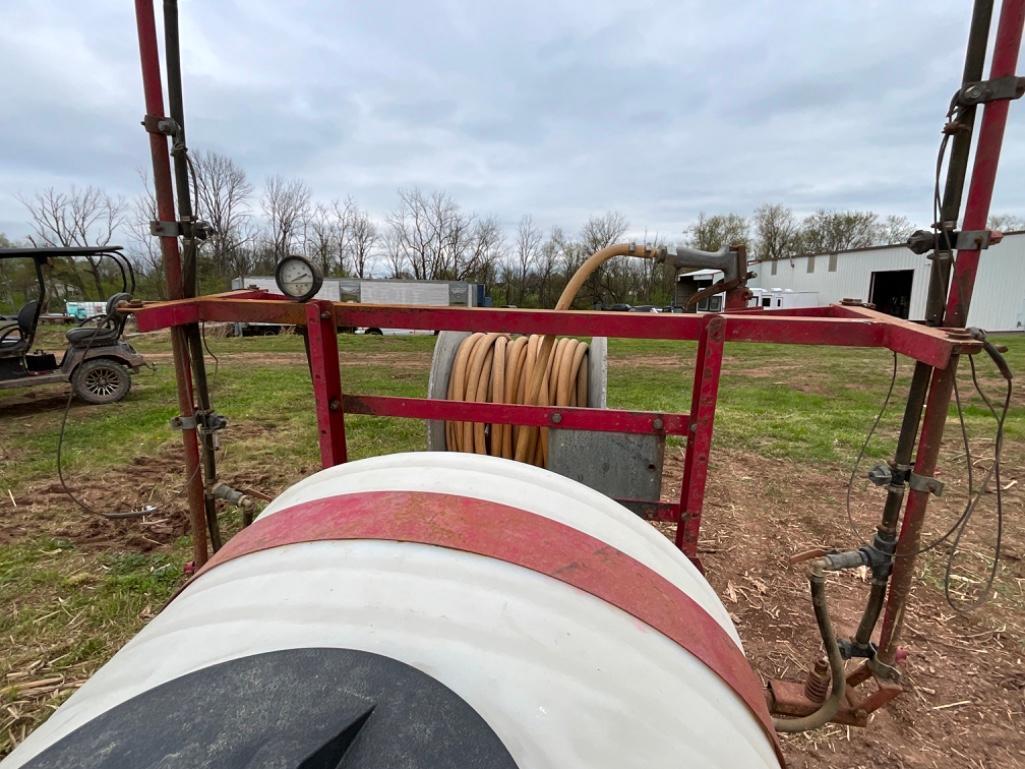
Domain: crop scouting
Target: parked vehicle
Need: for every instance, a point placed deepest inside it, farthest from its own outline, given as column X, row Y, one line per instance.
column 96, row 360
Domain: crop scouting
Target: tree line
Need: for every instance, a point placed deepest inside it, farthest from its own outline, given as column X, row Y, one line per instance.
column 428, row 235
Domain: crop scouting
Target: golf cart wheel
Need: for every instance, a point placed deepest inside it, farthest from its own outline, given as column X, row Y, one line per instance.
column 101, row 381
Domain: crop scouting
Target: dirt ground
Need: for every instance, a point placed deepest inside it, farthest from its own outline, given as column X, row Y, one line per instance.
column 965, row 704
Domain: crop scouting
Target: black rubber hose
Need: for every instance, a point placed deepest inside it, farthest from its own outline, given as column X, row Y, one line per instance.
column 831, row 705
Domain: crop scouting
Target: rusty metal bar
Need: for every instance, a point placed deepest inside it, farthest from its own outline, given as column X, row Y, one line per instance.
column 930, row 345
column 164, row 195
column 554, row 417
column 704, row 394
column 325, row 373
column 987, row 155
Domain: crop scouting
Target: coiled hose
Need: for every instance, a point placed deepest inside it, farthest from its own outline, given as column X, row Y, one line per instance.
column 536, row 370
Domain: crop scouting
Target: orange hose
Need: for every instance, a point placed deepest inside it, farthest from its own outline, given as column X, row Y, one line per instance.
column 535, row 370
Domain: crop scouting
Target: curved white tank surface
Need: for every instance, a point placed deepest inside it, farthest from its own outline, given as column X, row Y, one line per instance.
column 563, row 678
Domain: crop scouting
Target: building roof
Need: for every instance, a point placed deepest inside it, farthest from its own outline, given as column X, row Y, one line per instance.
column 855, row 250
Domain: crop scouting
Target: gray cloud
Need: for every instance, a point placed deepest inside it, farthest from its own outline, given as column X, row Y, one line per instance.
column 659, row 109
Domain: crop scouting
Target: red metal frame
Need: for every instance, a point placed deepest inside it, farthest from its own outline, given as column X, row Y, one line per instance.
column 1006, row 48
column 832, row 325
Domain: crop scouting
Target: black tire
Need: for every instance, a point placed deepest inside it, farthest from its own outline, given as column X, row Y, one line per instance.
column 101, row 380
column 375, row 332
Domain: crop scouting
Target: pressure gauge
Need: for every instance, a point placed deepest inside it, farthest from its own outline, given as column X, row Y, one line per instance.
column 298, row 278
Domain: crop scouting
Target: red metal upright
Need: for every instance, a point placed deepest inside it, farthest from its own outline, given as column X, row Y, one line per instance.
column 164, row 195
column 980, row 194
column 1006, row 49
column 704, row 394
column 322, row 338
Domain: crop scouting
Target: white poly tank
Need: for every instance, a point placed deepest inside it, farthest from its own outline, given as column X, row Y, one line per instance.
column 540, row 669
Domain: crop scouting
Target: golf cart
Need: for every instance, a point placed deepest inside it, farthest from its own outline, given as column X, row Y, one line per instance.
column 97, row 361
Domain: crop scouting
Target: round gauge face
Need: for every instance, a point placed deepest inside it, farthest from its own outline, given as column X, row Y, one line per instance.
column 297, row 278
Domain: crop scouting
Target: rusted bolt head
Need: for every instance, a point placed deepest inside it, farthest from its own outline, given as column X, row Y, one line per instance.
column 334, row 404
column 657, row 423
column 325, row 315
column 556, row 417
column 973, row 91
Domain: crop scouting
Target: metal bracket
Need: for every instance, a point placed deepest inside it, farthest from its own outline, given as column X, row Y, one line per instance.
column 164, row 229
column 186, row 228
column 184, row 423
column 925, row 483
column 160, row 125
column 1010, row 87
column 924, row 241
column 211, row 421
column 972, row 240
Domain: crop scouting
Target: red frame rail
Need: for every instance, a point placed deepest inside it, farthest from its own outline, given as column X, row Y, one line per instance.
column 834, row 325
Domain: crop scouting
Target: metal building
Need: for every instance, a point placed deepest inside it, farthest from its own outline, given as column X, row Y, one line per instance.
column 895, row 279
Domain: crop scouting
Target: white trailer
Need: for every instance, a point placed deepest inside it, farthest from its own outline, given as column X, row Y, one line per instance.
column 431, row 293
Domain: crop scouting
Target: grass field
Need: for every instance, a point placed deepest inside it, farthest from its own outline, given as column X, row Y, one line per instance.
column 74, row 588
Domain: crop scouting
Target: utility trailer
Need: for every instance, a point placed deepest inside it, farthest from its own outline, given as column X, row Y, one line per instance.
column 429, row 293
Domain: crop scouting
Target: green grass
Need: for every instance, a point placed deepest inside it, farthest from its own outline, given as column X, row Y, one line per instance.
column 803, row 403
column 68, row 606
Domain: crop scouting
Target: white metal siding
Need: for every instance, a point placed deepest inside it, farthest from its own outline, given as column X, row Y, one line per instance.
column 997, row 305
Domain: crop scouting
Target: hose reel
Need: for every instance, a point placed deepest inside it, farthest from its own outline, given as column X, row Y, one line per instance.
column 543, row 370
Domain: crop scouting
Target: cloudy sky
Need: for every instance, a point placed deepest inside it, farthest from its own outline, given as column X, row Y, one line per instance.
column 559, row 108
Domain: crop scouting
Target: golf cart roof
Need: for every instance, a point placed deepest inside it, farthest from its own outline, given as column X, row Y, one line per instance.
column 47, row 251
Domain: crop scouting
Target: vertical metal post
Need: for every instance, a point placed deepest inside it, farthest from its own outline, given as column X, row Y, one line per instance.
column 1006, row 48
column 322, row 347
column 703, row 399
column 980, row 193
column 957, row 167
column 152, row 89
column 737, row 298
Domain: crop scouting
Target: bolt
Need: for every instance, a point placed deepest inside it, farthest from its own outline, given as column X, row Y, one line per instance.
column 334, row 404
column 657, row 423
column 325, row 315
column 556, row 417
column 973, row 92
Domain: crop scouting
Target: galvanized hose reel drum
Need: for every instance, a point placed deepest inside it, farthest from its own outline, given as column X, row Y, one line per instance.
column 623, row 466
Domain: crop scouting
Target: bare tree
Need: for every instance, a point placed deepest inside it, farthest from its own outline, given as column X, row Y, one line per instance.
column 830, row 232
column 223, row 200
column 286, row 204
column 710, row 233
column 324, row 239
column 601, row 231
column 437, row 240
column 1006, row 222
column 597, row 233
column 893, row 229
column 527, row 252
column 86, row 217
column 395, row 252
column 362, row 238
column 547, row 263
column 776, row 231
column 145, row 247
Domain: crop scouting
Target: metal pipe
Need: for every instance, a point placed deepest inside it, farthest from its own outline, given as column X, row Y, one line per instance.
column 957, row 166
column 994, row 120
column 987, row 156
column 179, row 151
column 164, row 196
column 939, row 278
